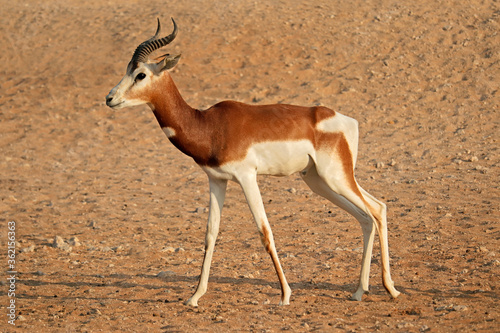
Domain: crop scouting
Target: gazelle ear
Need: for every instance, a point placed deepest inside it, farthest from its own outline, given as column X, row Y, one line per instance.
column 168, row 62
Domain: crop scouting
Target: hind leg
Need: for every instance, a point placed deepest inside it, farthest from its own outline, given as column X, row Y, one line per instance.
column 320, row 187
column 340, row 191
column 381, row 222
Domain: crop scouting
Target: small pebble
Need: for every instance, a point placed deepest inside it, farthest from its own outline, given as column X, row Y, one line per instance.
column 93, row 224
column 59, row 243
column 28, row 249
column 74, row 241
column 201, row 210
column 164, row 274
column 459, row 308
column 168, row 249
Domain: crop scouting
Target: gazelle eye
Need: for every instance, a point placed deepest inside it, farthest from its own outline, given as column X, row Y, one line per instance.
column 140, row 76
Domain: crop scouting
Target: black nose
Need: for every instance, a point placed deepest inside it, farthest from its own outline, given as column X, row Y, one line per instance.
column 109, row 100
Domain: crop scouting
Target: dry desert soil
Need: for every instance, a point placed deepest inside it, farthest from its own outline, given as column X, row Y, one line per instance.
column 110, row 217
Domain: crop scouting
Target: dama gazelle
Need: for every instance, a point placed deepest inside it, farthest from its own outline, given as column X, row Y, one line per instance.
column 236, row 141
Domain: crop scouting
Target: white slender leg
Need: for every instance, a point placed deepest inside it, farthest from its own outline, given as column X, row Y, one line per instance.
column 364, row 276
column 254, row 199
column 381, row 223
column 217, row 195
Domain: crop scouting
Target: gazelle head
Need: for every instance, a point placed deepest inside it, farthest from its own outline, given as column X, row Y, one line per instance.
column 141, row 73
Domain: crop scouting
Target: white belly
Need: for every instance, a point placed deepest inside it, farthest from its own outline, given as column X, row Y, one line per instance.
column 278, row 158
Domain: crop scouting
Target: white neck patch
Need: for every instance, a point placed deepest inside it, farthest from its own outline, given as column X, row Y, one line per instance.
column 169, row 132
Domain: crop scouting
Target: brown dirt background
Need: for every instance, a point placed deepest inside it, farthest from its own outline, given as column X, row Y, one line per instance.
column 422, row 79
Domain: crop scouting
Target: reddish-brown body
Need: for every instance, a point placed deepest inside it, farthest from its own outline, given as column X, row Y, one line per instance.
column 225, row 132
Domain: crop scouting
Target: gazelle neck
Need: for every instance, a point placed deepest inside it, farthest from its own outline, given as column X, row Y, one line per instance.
column 168, row 106
column 184, row 126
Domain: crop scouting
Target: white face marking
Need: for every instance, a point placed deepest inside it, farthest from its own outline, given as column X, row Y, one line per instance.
column 169, row 132
column 120, row 96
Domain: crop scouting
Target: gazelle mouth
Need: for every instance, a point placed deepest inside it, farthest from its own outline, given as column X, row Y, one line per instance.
column 114, row 106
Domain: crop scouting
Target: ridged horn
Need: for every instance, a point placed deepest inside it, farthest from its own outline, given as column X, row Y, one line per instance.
column 142, row 52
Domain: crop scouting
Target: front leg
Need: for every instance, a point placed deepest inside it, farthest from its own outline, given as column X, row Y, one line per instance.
column 251, row 190
column 217, row 195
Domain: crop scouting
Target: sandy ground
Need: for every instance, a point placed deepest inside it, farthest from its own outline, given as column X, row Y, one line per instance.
column 422, row 79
